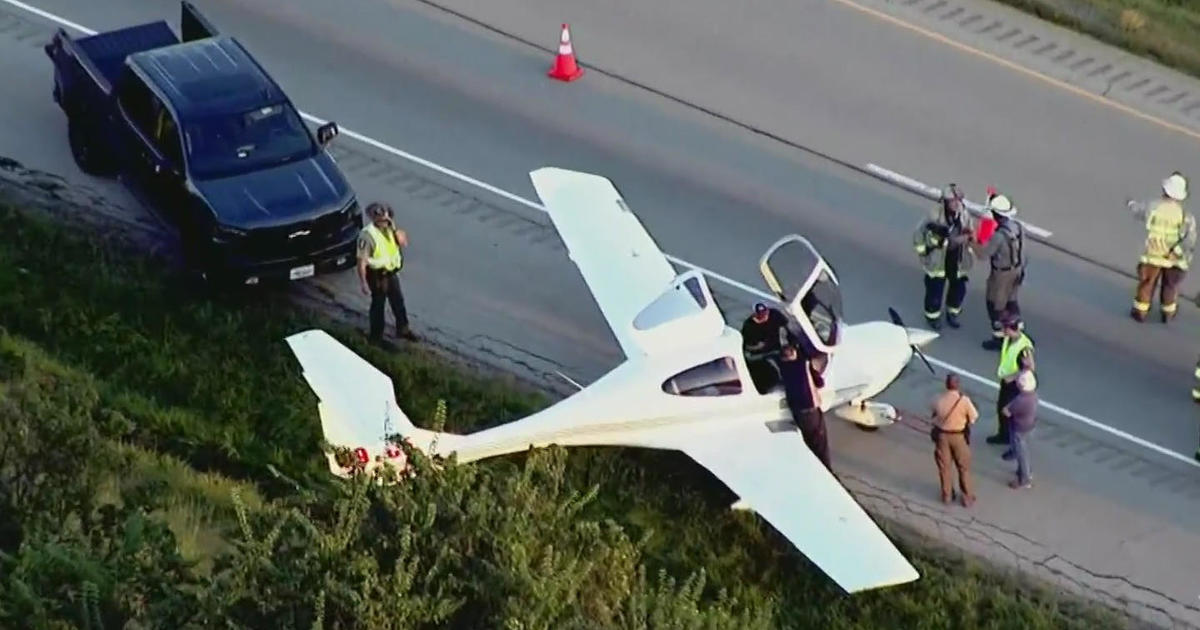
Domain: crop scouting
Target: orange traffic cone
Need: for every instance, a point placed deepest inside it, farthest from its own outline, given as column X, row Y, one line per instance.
column 565, row 68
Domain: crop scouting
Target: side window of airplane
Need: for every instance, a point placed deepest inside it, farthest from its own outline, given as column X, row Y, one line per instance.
column 715, row 378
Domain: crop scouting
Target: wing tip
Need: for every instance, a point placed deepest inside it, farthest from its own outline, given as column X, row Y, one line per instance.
column 293, row 338
column 899, row 578
column 548, row 180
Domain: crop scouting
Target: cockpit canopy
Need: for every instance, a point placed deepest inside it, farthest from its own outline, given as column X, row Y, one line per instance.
column 808, row 288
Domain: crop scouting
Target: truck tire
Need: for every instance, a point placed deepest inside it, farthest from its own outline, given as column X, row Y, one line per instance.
column 88, row 157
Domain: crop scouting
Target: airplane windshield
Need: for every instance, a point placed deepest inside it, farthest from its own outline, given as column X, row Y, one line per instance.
column 788, row 267
column 823, row 305
column 715, row 378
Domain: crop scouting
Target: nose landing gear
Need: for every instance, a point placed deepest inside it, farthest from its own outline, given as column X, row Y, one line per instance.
column 867, row 415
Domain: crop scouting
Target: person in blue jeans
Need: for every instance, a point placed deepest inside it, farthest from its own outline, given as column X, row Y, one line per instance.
column 1022, row 413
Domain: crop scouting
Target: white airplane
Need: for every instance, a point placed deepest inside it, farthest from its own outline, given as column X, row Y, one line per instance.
column 683, row 385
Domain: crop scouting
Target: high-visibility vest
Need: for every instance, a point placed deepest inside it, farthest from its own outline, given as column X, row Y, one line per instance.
column 1010, row 353
column 1164, row 231
column 386, row 253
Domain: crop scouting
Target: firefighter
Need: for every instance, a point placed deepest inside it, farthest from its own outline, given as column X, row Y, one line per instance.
column 1005, row 251
column 941, row 243
column 380, row 258
column 1170, row 239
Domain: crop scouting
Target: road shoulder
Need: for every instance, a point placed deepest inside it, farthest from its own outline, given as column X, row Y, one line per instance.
column 1060, row 54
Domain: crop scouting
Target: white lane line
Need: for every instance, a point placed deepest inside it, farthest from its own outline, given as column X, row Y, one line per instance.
column 386, row 148
column 934, row 194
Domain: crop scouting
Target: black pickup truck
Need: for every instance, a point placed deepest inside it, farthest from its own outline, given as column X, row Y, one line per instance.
column 199, row 132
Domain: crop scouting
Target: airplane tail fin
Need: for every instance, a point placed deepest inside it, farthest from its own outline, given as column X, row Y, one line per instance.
column 357, row 406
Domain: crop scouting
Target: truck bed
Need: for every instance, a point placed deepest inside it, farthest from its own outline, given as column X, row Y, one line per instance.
column 107, row 51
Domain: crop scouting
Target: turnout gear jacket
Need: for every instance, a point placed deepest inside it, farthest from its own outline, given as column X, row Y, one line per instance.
column 936, row 237
column 1170, row 233
column 1006, row 249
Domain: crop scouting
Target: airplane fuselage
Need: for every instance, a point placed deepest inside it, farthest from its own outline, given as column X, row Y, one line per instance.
column 631, row 405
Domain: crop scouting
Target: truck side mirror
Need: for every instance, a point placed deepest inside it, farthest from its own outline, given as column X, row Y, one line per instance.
column 326, row 133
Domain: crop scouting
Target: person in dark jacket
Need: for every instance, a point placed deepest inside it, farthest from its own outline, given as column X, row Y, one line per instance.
column 1022, row 414
column 762, row 338
column 802, row 384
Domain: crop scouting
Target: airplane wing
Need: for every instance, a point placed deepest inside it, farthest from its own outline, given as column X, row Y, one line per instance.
column 621, row 264
column 776, row 475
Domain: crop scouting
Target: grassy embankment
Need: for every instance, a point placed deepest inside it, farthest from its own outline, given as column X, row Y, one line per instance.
column 1167, row 31
column 129, row 404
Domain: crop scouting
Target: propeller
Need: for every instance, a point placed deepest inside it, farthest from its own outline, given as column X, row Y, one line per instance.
column 900, row 322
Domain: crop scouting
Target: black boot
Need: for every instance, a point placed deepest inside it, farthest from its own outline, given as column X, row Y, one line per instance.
column 999, row 438
column 935, row 324
column 380, row 342
column 952, row 320
column 993, row 344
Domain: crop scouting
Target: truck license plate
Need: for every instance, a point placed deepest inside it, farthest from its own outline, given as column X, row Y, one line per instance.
column 301, row 272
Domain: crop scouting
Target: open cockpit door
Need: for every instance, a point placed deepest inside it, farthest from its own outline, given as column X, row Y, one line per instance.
column 193, row 25
column 808, row 288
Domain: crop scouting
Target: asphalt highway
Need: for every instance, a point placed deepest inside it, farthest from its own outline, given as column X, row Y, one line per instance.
column 707, row 192
column 490, row 272
column 828, row 77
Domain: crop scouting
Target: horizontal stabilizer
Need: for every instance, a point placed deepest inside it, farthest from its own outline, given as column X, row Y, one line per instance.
column 357, row 401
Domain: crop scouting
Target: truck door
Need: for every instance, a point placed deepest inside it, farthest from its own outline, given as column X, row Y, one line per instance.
column 151, row 154
column 806, row 284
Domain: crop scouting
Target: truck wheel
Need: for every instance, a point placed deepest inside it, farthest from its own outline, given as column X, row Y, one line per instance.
column 88, row 158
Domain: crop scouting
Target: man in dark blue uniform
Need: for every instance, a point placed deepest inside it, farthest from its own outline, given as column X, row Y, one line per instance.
column 802, row 384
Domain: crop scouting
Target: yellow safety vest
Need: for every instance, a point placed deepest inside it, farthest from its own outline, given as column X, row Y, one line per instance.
column 386, row 253
column 1164, row 229
column 1009, row 355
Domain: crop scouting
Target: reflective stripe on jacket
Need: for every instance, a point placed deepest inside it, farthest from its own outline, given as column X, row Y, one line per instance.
column 931, row 247
column 1166, row 231
column 386, row 252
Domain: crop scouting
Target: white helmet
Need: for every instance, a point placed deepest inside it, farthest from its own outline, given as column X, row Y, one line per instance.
column 1175, row 187
column 1001, row 205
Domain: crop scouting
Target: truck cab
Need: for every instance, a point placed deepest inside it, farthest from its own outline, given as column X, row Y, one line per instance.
column 200, row 132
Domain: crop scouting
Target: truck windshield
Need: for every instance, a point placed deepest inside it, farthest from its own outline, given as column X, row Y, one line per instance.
column 227, row 144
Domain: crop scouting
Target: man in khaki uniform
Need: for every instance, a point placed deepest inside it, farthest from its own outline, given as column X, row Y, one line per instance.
column 953, row 414
column 380, row 259
column 1170, row 240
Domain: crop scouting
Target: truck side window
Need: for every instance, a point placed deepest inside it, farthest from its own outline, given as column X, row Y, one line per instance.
column 138, row 101
column 166, row 136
